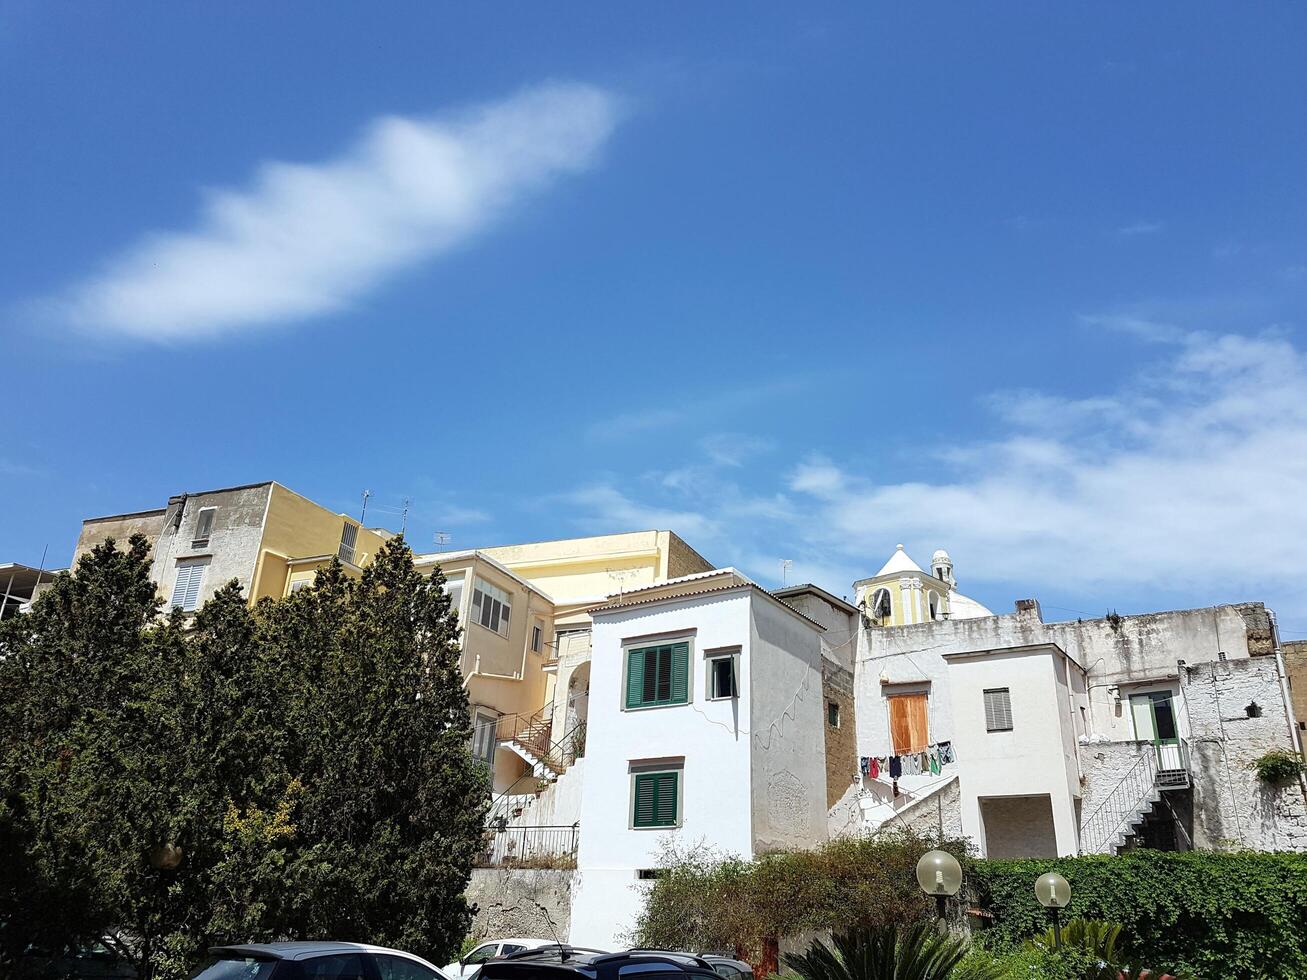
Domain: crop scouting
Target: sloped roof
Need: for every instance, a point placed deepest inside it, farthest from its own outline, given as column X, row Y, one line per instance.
column 898, row 563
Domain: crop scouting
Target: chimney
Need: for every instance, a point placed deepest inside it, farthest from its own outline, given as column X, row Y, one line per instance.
column 1028, row 609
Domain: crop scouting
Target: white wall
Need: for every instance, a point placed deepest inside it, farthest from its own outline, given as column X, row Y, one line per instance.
column 787, row 722
column 712, row 737
column 1029, row 760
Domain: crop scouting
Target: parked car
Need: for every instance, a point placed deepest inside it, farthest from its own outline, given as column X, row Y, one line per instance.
column 728, row 967
column 313, row 961
column 488, row 950
column 561, row 962
column 95, row 961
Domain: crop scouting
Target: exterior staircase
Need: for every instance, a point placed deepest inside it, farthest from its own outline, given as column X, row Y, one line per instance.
column 1123, row 812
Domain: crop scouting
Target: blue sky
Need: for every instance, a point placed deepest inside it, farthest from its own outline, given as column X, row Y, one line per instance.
column 1024, row 283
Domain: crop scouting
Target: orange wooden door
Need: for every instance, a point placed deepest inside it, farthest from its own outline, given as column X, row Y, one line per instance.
column 907, row 723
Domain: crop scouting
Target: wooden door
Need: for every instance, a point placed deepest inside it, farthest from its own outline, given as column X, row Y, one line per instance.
column 907, row 723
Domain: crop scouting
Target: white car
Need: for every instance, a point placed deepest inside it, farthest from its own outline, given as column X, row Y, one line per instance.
column 488, row 950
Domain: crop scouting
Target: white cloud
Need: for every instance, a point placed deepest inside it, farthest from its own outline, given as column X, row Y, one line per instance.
column 308, row 239
column 1189, row 479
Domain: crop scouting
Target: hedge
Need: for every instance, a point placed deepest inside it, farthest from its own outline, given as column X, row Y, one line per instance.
column 1239, row 915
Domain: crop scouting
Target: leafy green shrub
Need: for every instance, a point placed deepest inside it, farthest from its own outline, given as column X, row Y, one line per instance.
column 1232, row 916
column 708, row 901
column 1278, row 767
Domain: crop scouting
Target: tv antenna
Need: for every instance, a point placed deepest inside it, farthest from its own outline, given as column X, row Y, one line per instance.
column 441, row 538
column 621, row 574
column 786, row 565
column 364, row 513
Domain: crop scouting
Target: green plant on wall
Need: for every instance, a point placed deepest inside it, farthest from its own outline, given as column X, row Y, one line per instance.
column 1278, row 767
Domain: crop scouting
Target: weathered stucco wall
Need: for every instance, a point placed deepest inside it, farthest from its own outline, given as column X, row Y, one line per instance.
column 120, row 527
column 925, row 817
column 509, row 903
column 1232, row 807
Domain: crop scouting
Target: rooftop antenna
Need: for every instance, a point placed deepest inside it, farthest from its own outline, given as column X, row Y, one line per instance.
column 441, row 539
column 786, row 565
column 621, row 574
column 403, row 520
column 364, row 513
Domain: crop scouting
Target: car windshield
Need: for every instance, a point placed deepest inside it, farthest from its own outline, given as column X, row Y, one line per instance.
column 234, row 967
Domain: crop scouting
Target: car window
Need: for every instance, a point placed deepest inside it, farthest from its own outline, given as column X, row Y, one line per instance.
column 481, row 954
column 728, row 971
column 400, row 968
column 229, row 967
column 510, row 948
column 343, row 966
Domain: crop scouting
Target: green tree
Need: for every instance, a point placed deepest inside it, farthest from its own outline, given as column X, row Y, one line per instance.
column 300, row 770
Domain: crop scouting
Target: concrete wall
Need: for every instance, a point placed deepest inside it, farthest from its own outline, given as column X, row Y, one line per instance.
column 234, row 541
column 943, row 808
column 508, row 903
column 1020, row 827
column 588, row 568
column 1232, row 807
column 787, row 711
column 1029, row 760
column 120, row 527
column 1131, row 652
column 681, row 558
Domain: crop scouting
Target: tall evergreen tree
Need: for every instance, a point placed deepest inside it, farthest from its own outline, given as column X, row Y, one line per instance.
column 297, row 771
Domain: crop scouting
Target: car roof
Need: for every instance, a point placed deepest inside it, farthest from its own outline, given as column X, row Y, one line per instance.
column 305, row 949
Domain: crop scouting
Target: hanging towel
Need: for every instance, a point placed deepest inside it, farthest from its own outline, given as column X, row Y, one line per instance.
column 946, row 755
column 925, row 763
column 895, row 771
column 912, row 765
column 934, row 763
column 875, row 768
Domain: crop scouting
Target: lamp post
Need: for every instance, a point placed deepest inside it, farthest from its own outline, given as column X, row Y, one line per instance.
column 939, row 875
column 1054, row 894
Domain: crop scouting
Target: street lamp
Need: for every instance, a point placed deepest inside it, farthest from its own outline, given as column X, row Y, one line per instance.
column 940, row 875
column 1054, row 893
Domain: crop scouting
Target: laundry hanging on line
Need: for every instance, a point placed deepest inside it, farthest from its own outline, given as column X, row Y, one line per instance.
column 929, row 761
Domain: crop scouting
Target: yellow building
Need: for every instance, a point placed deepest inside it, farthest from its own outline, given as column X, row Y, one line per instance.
column 527, row 669
column 267, row 537
column 903, row 593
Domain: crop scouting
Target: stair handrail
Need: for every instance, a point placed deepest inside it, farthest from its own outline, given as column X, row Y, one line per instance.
column 559, row 761
column 1139, row 780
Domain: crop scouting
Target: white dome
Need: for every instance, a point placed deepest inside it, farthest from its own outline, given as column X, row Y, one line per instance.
column 940, row 556
column 964, row 607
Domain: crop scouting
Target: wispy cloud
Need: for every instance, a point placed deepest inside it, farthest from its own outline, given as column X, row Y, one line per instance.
column 655, row 417
column 308, row 239
column 1184, row 480
column 1136, row 228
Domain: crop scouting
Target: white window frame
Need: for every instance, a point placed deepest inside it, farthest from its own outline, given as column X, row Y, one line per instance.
column 487, row 616
column 186, row 587
column 202, row 531
column 997, row 709
column 710, row 658
column 484, row 746
column 455, row 585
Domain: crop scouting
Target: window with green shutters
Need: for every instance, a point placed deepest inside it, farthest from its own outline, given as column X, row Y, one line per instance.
column 658, row 675
column 656, row 799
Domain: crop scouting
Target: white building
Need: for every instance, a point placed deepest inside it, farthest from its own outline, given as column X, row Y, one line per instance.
column 1078, row 737
column 705, row 715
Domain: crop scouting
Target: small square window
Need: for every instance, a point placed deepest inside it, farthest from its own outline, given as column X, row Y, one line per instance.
column 832, row 714
column 721, row 678
column 203, row 527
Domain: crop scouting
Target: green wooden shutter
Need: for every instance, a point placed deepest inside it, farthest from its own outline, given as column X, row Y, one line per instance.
column 680, row 673
column 665, row 804
column 634, row 678
column 646, row 798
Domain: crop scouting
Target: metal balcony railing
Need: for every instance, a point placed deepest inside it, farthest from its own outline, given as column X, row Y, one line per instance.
column 531, row 847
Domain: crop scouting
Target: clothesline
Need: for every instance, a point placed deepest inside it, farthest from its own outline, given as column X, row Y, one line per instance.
column 929, row 759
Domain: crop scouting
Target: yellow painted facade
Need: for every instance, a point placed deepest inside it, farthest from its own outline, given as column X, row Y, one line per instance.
column 300, row 538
